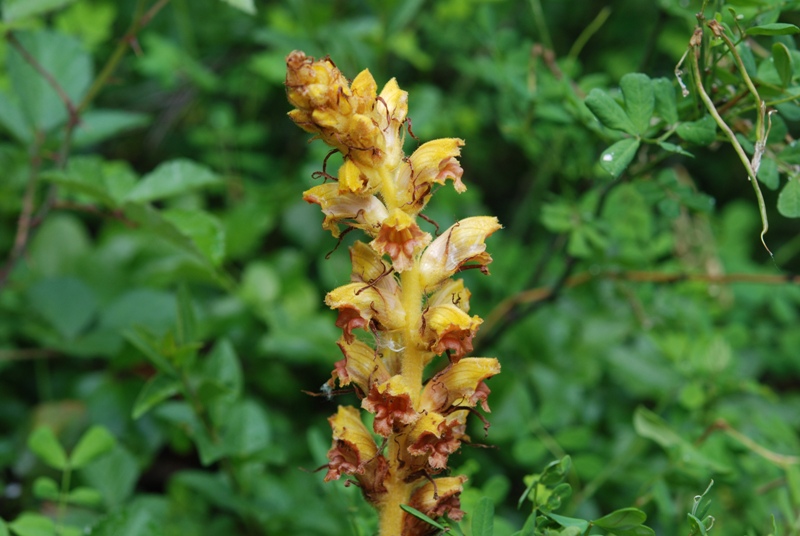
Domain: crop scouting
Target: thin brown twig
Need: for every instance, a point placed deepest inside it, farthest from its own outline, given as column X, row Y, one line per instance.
column 44, row 73
column 541, row 294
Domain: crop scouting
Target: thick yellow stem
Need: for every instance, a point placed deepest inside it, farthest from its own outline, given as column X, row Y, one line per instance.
column 398, row 492
column 413, row 359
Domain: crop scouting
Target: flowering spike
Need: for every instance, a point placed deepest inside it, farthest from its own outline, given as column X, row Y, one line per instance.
column 400, row 294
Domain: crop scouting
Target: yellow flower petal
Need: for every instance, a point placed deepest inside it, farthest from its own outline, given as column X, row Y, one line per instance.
column 364, row 212
column 461, row 243
column 365, row 306
column 448, row 327
column 461, row 384
column 361, row 365
column 352, row 444
column 436, row 437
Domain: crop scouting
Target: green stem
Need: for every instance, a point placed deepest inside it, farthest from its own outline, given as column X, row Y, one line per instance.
column 751, row 175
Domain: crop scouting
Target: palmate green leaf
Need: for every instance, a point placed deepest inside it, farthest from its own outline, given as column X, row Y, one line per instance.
column 65, row 60
column 172, row 178
column 789, row 198
column 244, row 5
column 616, row 158
column 783, row 63
column 483, row 518
column 44, row 443
column 609, row 112
column 776, row 28
column 20, row 9
column 637, row 88
column 94, row 443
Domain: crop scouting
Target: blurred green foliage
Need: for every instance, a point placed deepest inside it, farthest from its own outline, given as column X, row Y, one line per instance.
column 161, row 309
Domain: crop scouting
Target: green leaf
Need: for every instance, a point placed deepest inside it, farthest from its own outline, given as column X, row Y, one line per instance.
column 639, row 530
column 145, row 343
column 616, row 158
column 789, row 198
column 783, row 63
column 45, row 445
column 94, row 443
column 132, row 520
column 46, row 488
column 223, row 370
column 696, row 525
column 556, row 471
column 701, row 132
column 157, row 389
column 622, row 519
column 113, row 475
column 637, row 88
column 483, row 518
column 609, row 112
column 65, row 60
column 666, row 104
column 672, row 148
column 20, row 9
column 186, row 317
column 66, row 303
column 99, row 125
column 12, row 118
column 565, row 521
column 776, row 28
column 204, row 230
column 3, row 528
column 419, row 515
column 246, row 430
column 172, row 178
column 790, row 154
column 768, row 174
column 244, row 5
column 83, row 496
column 83, row 174
column 29, row 524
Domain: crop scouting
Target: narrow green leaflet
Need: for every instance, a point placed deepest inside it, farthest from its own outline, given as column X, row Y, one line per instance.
column 20, row 9
column 244, row 5
column 100, row 125
column 640, row 100
column 776, row 28
column 616, row 158
column 789, row 198
column 172, row 178
column 93, row 444
column 45, row 445
column 782, row 59
column 419, row 515
column 157, row 389
column 622, row 519
column 565, row 521
column 609, row 112
column 483, row 518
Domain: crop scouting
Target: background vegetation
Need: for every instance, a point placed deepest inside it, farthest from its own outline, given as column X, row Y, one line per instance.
column 161, row 308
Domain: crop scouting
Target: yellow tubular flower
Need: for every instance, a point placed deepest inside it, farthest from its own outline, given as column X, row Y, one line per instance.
column 400, row 238
column 461, row 243
column 361, row 365
column 366, row 212
column 391, row 403
column 460, row 385
column 449, row 328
